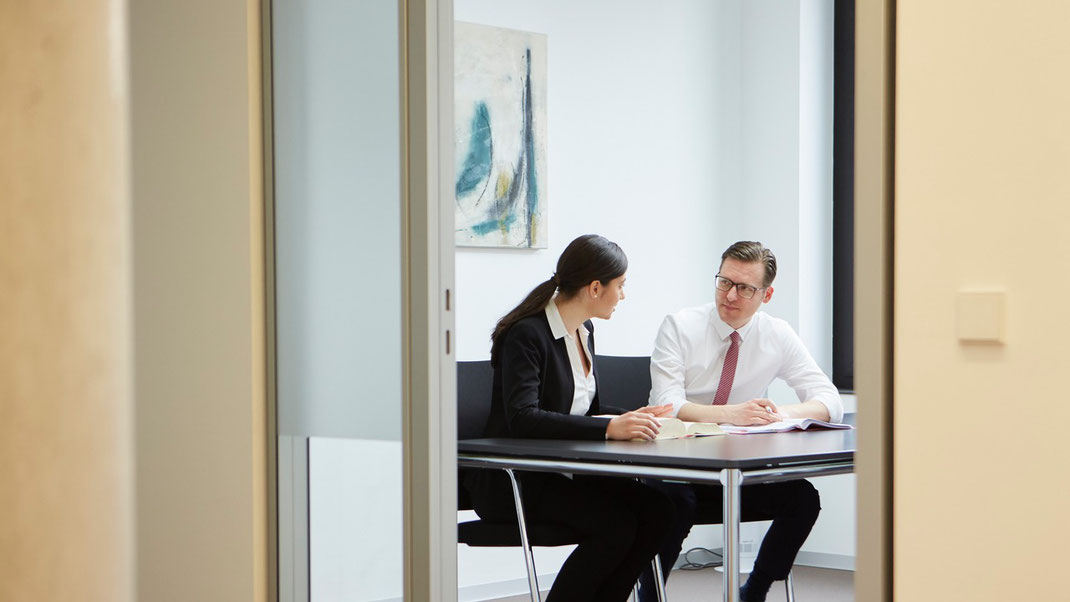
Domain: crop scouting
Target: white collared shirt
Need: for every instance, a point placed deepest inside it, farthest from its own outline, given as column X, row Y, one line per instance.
column 583, row 394
column 689, row 355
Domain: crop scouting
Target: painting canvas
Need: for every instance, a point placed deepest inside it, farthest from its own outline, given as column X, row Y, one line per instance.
column 500, row 123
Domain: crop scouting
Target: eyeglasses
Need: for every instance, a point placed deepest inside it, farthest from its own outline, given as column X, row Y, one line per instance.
column 743, row 290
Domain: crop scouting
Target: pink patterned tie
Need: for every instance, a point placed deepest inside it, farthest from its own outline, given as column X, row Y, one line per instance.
column 728, row 372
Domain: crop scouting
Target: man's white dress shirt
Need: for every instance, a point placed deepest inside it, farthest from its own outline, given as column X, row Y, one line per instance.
column 583, row 393
column 689, row 355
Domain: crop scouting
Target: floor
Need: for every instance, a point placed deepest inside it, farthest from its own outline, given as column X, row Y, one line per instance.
column 811, row 584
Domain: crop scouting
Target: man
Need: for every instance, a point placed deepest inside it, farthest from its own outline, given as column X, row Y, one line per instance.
column 714, row 363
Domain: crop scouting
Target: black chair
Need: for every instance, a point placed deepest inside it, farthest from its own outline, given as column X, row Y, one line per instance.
column 474, row 383
column 625, row 383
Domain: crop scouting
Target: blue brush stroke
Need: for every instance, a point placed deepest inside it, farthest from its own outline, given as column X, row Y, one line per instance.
column 477, row 163
column 484, row 228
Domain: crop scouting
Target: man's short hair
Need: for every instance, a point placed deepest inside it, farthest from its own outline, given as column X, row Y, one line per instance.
column 753, row 252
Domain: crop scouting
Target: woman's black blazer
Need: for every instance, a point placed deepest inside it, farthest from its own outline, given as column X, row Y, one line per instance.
column 533, row 387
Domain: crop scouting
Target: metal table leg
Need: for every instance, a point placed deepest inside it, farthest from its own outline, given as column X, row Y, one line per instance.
column 731, row 479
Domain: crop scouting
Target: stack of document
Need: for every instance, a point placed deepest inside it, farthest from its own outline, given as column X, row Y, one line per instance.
column 788, row 424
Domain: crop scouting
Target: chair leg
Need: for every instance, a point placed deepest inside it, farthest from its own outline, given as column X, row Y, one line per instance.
column 789, row 588
column 529, row 558
column 659, row 581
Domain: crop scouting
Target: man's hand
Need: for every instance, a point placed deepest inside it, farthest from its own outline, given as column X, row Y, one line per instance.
column 657, row 411
column 633, row 425
column 751, row 413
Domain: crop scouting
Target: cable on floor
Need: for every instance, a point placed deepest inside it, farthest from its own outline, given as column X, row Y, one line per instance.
column 701, row 558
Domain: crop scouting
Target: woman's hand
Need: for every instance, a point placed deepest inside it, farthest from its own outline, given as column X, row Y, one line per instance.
column 633, row 425
column 657, row 411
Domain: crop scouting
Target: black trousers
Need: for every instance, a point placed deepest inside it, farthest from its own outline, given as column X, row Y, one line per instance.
column 621, row 525
column 793, row 507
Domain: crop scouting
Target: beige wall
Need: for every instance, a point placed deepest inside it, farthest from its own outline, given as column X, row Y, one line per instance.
column 66, row 531
column 982, row 201
column 199, row 324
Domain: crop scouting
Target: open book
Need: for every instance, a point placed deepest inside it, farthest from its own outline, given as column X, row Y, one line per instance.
column 788, row 424
column 674, row 428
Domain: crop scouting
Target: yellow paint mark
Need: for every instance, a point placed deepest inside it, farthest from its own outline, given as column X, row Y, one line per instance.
column 504, row 180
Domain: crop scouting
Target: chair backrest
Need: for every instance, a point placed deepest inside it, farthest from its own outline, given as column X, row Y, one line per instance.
column 474, row 383
column 623, row 382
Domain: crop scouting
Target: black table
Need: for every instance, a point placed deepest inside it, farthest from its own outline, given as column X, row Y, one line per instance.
column 728, row 460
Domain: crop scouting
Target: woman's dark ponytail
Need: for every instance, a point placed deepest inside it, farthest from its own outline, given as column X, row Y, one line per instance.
column 588, row 258
column 531, row 305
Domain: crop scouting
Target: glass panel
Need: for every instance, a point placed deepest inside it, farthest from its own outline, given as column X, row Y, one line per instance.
column 338, row 298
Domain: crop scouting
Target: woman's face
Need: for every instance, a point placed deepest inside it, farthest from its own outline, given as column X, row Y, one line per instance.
column 607, row 297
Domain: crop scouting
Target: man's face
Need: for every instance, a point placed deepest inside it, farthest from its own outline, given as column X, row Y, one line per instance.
column 733, row 309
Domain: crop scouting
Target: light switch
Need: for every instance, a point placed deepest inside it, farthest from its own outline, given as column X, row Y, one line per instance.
column 981, row 316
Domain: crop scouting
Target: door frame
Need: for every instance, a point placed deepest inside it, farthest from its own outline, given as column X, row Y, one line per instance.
column 874, row 196
column 430, row 390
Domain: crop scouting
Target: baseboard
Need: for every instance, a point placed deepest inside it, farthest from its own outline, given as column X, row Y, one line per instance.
column 821, row 560
column 501, row 589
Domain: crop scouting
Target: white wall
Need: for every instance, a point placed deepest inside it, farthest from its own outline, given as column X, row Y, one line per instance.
column 634, row 117
column 675, row 129
column 786, row 150
column 816, row 34
column 769, row 143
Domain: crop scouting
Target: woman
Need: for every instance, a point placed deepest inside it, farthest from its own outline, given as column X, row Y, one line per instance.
column 546, row 386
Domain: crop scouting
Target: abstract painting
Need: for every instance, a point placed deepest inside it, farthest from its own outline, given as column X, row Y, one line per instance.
column 500, row 125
